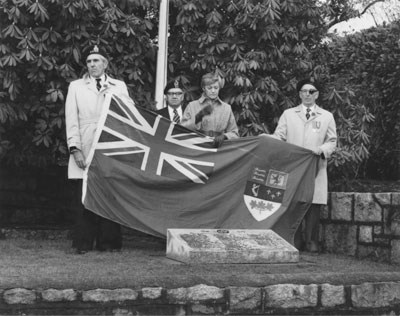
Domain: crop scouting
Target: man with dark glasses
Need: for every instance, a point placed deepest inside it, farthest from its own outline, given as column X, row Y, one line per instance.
column 312, row 127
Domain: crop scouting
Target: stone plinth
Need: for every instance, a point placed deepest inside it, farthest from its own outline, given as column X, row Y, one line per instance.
column 229, row 246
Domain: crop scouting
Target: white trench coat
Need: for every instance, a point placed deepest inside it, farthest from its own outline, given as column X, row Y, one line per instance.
column 317, row 132
column 83, row 108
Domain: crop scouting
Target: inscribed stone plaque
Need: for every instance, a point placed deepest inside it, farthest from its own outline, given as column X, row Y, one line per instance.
column 229, row 246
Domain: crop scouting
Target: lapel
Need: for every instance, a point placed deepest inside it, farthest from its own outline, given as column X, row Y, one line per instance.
column 299, row 111
column 317, row 113
column 167, row 114
column 89, row 83
column 108, row 83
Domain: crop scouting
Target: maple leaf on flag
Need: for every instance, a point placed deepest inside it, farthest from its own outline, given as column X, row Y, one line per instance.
column 253, row 204
column 154, row 144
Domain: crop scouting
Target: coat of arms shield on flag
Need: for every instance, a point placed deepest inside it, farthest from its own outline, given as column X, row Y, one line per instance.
column 264, row 192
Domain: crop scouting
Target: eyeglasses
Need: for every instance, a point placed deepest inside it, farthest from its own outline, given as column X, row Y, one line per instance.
column 176, row 94
column 311, row 92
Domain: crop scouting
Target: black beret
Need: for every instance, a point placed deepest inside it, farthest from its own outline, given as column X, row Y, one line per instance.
column 176, row 84
column 305, row 81
column 98, row 51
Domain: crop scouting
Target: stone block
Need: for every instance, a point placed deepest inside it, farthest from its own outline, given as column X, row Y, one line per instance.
column 332, row 295
column 366, row 209
column 122, row 312
column 383, row 241
column 151, row 293
column 392, row 220
column 375, row 295
column 340, row 239
column 202, row 292
column 365, row 234
column 377, row 230
column 19, row 296
column 196, row 293
column 244, row 299
column 177, row 296
column 200, row 309
column 395, row 251
column 383, row 198
column 396, row 198
column 105, row 295
column 229, row 246
column 291, row 296
column 341, row 206
column 374, row 252
column 53, row 295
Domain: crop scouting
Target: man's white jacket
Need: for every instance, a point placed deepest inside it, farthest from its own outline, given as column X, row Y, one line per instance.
column 83, row 107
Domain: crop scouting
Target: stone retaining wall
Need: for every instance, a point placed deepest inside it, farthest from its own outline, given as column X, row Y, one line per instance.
column 288, row 299
column 362, row 225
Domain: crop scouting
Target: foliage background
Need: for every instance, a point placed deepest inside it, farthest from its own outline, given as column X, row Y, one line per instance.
column 367, row 63
column 260, row 48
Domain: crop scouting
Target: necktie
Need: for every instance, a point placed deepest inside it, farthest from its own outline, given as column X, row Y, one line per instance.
column 98, row 84
column 308, row 113
column 177, row 119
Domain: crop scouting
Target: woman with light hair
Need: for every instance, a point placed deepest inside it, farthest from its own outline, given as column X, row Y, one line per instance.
column 209, row 114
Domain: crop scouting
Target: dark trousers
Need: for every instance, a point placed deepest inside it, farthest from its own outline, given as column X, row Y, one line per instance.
column 92, row 231
column 312, row 223
column 308, row 231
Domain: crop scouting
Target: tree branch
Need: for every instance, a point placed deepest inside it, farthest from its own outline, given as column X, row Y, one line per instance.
column 345, row 16
column 370, row 5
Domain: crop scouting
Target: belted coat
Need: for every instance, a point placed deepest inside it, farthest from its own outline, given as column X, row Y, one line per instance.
column 319, row 131
column 83, row 108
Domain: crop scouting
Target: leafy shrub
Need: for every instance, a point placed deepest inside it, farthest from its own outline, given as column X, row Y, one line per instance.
column 367, row 64
column 43, row 44
column 260, row 49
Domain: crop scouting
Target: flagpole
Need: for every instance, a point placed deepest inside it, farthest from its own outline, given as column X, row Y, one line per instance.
column 162, row 56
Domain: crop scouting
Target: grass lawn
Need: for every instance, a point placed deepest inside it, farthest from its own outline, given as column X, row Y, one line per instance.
column 142, row 263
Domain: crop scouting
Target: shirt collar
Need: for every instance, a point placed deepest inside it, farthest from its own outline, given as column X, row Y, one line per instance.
column 312, row 108
column 103, row 78
column 171, row 111
column 203, row 99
